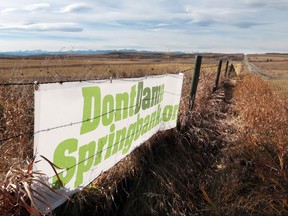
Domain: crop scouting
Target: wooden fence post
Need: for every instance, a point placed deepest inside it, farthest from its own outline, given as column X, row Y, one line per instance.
column 195, row 81
column 226, row 69
column 218, row 75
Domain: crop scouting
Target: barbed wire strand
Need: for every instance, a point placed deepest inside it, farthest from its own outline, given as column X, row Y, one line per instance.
column 115, row 144
column 84, row 80
column 87, row 120
column 93, row 81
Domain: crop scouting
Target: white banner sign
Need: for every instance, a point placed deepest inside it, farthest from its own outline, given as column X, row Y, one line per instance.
column 85, row 128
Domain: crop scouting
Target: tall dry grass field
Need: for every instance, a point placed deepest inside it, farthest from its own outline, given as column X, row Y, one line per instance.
column 264, row 145
column 226, row 157
column 251, row 174
column 17, row 111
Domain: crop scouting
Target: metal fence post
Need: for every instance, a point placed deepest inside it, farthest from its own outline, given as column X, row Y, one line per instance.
column 218, row 75
column 195, row 81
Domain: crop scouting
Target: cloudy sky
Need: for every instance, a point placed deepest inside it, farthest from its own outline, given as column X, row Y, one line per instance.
column 249, row 26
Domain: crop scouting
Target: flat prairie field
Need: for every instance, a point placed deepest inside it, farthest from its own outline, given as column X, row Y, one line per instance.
column 85, row 67
column 77, row 67
column 275, row 65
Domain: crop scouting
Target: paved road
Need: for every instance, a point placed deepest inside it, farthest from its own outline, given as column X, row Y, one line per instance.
column 258, row 71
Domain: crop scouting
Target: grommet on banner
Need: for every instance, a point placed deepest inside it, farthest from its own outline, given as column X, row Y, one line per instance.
column 110, row 79
column 36, row 85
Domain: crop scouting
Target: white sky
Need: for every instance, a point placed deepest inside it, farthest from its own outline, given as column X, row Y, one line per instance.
column 249, row 26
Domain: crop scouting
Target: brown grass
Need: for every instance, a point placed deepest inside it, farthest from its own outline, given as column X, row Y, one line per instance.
column 16, row 123
column 220, row 160
column 162, row 177
column 19, row 120
column 234, row 162
column 264, row 144
column 17, row 103
column 251, row 175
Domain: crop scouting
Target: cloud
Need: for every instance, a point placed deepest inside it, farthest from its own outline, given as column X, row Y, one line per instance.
column 31, row 7
column 35, row 7
column 162, row 24
column 204, row 22
column 280, row 4
column 248, row 24
column 151, row 24
column 62, row 27
column 267, row 4
column 212, row 15
column 9, row 10
column 77, row 7
column 256, row 3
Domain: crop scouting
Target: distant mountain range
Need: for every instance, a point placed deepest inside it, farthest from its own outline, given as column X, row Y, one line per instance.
column 79, row 52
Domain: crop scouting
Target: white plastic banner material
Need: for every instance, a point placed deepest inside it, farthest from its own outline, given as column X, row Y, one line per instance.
column 85, row 128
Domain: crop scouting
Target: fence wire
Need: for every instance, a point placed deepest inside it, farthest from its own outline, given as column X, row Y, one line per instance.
column 110, row 147
column 36, row 83
column 119, row 144
column 87, row 80
column 92, row 81
column 91, row 119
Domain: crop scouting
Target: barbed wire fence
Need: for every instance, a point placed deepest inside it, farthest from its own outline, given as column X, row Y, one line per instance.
column 17, row 113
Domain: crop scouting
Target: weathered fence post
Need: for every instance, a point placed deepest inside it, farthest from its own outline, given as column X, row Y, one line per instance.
column 195, row 81
column 226, row 69
column 218, row 75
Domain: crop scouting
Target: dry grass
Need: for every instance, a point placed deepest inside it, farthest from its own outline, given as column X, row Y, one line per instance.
column 17, row 103
column 264, row 144
column 251, row 175
column 281, row 86
column 67, row 67
column 234, row 162
column 16, row 123
column 18, row 193
column 162, row 177
column 220, row 160
column 17, row 106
